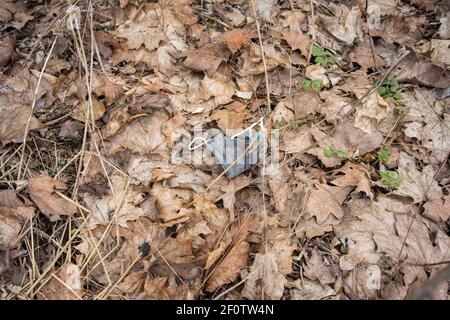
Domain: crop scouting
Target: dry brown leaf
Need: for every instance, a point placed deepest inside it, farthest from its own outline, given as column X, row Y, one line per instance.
column 310, row 290
column 142, row 31
column 9, row 199
column 264, row 279
column 65, row 285
column 206, row 58
column 317, row 269
column 265, row 9
column 143, row 136
column 220, row 90
column 404, row 30
column 169, row 201
column 98, row 109
column 438, row 209
column 7, row 47
column 228, row 269
column 418, row 185
column 231, row 116
column 42, row 192
column 372, row 110
column 345, row 24
column 11, row 223
column 325, row 200
column 422, row 72
column 102, row 85
column 121, row 204
column 437, row 50
column 427, row 121
column 252, row 61
column 335, row 106
column 234, row 38
column 355, row 175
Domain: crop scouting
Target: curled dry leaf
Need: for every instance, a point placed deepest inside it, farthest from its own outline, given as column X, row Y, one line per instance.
column 325, row 200
column 42, row 192
column 355, row 175
column 220, row 90
column 317, row 269
column 264, row 280
column 121, row 204
column 143, row 136
column 7, row 47
column 206, row 58
column 228, row 269
column 427, row 121
column 418, row 185
column 310, row 290
column 345, row 24
column 234, row 38
column 83, row 110
column 65, row 285
column 12, row 220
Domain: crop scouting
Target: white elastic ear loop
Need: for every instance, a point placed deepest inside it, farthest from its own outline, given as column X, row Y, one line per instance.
column 260, row 122
column 191, row 145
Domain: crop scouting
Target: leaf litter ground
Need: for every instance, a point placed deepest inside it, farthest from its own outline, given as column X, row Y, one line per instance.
column 96, row 98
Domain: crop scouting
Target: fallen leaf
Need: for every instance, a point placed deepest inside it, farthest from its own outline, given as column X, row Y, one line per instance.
column 42, row 192
column 347, row 27
column 231, row 116
column 265, row 9
column 221, row 91
column 317, row 269
column 206, row 58
column 325, row 200
column 355, row 175
column 228, row 269
column 317, row 72
column 83, row 111
column 120, row 205
column 264, row 279
column 66, row 284
column 310, row 290
column 7, row 47
column 428, row 123
column 418, row 185
column 234, row 38
column 143, row 136
column 437, row 50
column 11, row 223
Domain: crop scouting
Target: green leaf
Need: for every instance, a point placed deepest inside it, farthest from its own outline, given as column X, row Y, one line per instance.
column 341, row 154
column 383, row 155
column 382, row 91
column 391, row 178
column 321, row 61
column 61, row 161
column 317, row 84
column 398, row 96
column 317, row 51
column 306, row 84
column 328, row 152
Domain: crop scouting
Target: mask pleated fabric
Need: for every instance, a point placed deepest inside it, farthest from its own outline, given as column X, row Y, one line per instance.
column 229, row 152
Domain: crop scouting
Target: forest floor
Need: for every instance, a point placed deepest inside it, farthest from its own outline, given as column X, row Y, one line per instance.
column 101, row 197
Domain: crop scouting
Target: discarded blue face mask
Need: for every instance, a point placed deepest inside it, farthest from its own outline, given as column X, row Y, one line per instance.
column 236, row 154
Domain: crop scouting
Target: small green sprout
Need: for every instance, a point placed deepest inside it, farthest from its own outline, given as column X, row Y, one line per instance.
column 316, row 85
column 322, row 56
column 330, row 151
column 391, row 89
column 391, row 178
column 61, row 161
column 383, row 155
